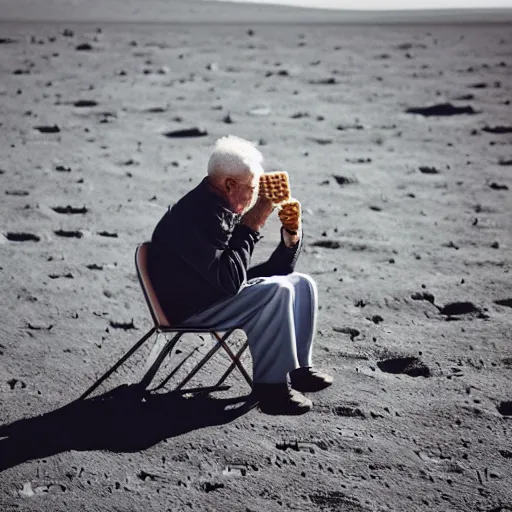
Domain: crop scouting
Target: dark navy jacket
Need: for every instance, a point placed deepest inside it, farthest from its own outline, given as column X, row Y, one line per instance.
column 200, row 254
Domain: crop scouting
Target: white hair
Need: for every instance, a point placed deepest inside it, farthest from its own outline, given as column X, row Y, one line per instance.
column 234, row 156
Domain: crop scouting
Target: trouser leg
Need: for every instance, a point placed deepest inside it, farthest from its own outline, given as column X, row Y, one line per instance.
column 305, row 309
column 271, row 336
column 264, row 310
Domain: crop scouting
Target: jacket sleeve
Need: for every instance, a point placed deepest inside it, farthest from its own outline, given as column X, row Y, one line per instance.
column 219, row 251
column 281, row 262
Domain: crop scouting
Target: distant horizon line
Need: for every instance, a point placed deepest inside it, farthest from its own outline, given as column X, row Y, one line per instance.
column 257, row 12
column 302, row 4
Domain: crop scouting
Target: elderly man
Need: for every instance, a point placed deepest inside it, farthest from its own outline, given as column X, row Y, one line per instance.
column 199, row 265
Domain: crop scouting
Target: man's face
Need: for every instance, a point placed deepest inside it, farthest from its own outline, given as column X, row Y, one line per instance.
column 242, row 193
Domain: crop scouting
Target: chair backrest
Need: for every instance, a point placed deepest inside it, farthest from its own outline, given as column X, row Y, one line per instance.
column 141, row 264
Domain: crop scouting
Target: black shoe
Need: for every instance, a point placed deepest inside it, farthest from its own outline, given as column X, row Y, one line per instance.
column 308, row 379
column 280, row 399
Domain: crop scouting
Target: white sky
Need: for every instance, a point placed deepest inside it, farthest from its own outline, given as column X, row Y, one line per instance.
column 389, row 4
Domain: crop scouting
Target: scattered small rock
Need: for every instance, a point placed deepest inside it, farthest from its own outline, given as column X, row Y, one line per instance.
column 69, row 210
column 156, row 110
column 328, row 244
column 122, row 325
column 497, row 129
column 22, row 237
column 107, row 234
column 69, row 234
column 350, row 127
column 348, row 412
column 85, row 103
column 69, row 275
column 504, row 302
column 322, row 142
column 410, row 46
column 343, row 180
column 299, row 115
column 144, row 475
column 324, row 81
column 358, row 160
column 451, row 245
column 428, row 170
column 498, row 186
column 353, row 333
column 376, row 319
column 94, row 266
column 188, row 132
column 62, row 168
column 84, row 47
column 27, row 491
column 423, row 296
column 48, row 129
column 441, row 109
column 209, row 486
column 16, row 192
column 478, row 85
column 13, row 383
column 35, row 327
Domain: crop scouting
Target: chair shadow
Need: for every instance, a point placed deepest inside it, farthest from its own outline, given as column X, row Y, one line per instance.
column 118, row 421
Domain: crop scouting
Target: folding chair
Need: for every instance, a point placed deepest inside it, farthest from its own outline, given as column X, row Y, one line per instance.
column 162, row 325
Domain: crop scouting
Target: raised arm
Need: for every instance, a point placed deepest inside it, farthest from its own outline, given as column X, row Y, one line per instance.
column 282, row 261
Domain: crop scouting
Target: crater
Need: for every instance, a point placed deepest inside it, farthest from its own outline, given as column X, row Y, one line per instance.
column 411, row 366
column 505, row 408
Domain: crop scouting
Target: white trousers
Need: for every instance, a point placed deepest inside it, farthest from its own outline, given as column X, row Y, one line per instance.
column 278, row 315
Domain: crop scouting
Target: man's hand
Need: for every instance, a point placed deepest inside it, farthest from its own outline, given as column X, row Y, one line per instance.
column 290, row 216
column 256, row 217
column 291, row 240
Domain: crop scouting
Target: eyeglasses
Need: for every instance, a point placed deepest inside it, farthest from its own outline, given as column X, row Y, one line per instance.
column 246, row 185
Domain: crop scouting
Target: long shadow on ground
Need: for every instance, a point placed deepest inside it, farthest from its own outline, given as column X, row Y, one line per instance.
column 119, row 421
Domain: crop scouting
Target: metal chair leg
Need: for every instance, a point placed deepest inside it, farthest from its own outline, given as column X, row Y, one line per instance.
column 234, row 359
column 233, row 365
column 109, row 372
column 149, row 375
column 203, row 361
